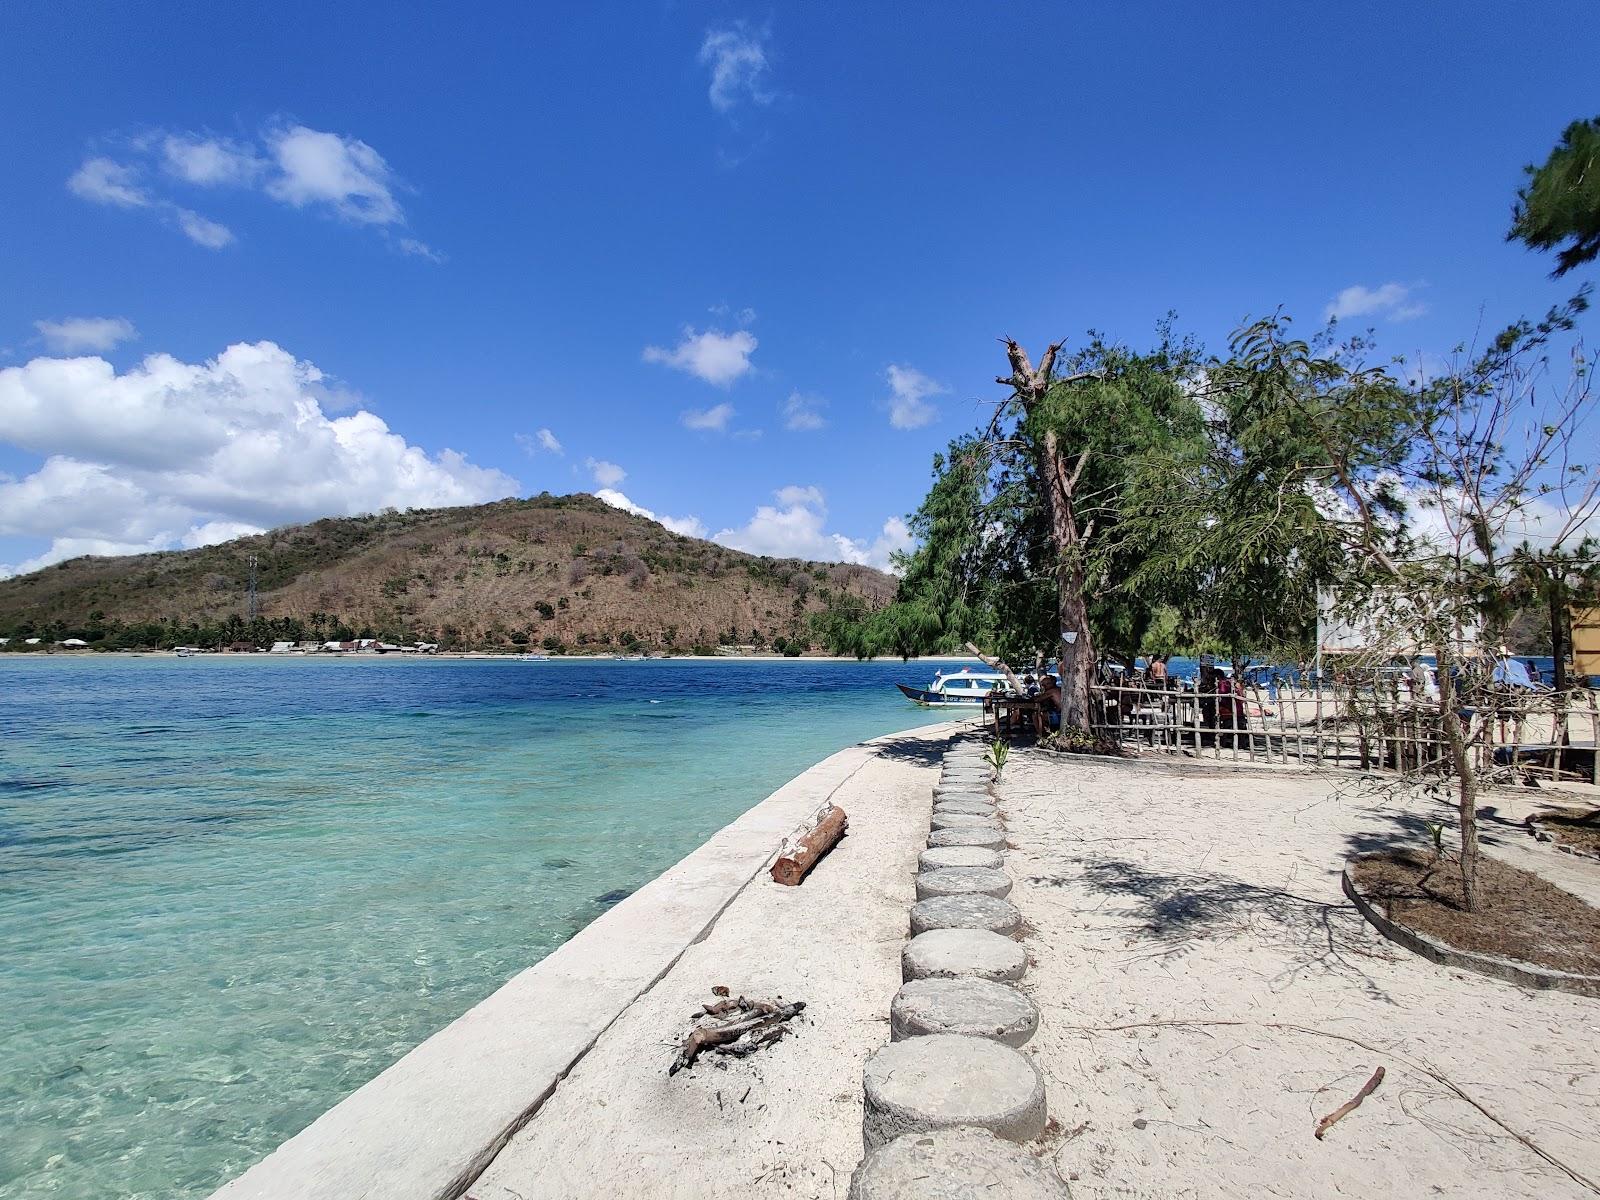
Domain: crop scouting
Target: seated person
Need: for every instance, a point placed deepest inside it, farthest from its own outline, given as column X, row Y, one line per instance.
column 1050, row 693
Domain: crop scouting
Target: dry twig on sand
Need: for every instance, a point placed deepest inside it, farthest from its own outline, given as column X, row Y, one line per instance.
column 1349, row 1106
column 1419, row 1067
column 758, row 1023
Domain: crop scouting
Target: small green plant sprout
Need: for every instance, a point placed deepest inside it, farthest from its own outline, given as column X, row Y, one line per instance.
column 1436, row 832
column 996, row 757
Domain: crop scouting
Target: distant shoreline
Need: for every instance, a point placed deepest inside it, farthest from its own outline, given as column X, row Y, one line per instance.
column 474, row 656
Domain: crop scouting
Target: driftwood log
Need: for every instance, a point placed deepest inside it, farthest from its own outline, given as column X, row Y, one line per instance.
column 814, row 838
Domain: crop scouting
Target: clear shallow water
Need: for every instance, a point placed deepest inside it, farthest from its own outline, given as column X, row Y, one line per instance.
column 233, row 890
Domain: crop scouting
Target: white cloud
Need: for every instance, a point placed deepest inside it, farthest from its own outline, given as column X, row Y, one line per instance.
column 346, row 174
column 796, row 527
column 716, row 357
column 744, row 316
column 687, row 526
column 713, row 419
column 909, row 389
column 86, row 333
column 293, row 164
column 1392, row 300
column 106, row 182
column 172, row 453
column 738, row 62
column 606, row 474
column 541, row 439
column 214, row 532
column 210, row 162
column 416, row 249
column 795, row 494
column 200, row 231
column 803, row 413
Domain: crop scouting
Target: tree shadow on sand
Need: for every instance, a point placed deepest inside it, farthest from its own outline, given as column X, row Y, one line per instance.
column 919, row 752
column 1175, row 910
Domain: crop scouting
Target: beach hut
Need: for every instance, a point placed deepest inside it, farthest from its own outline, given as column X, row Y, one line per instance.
column 75, row 644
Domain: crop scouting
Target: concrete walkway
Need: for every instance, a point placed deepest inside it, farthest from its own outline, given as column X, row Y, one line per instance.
column 787, row 1120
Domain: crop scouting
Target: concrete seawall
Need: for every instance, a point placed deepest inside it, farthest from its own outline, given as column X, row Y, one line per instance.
column 425, row 1128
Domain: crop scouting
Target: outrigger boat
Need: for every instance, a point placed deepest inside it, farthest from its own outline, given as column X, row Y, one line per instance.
column 959, row 687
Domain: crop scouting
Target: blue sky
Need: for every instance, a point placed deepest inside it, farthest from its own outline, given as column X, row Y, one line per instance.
column 746, row 265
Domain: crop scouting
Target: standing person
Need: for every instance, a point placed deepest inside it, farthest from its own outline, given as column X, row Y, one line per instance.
column 1419, row 679
column 1206, row 689
column 1158, row 672
column 1226, row 689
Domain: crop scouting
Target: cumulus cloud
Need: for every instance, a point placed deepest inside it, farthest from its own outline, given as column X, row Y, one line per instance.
column 796, row 527
column 343, row 173
column 716, row 357
column 713, row 419
column 72, row 334
column 606, row 474
column 200, row 230
column 210, row 162
column 540, row 439
column 171, row 453
column 737, row 60
column 105, row 181
column 687, row 526
column 298, row 166
column 803, row 413
column 909, row 390
column 1396, row 301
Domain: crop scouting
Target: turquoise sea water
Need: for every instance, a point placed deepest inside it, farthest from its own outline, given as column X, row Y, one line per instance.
column 232, row 890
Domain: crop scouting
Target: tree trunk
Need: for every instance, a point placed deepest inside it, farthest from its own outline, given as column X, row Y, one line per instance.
column 1072, row 611
column 1465, row 777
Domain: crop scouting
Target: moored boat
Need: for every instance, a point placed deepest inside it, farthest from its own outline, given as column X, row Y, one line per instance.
column 959, row 687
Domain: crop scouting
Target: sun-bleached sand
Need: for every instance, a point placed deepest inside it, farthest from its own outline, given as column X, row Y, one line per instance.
column 1209, row 993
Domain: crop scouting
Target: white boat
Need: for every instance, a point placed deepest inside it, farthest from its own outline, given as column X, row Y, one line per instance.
column 959, row 687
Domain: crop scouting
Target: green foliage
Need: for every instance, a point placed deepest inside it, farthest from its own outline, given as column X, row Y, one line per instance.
column 996, row 756
column 1560, row 203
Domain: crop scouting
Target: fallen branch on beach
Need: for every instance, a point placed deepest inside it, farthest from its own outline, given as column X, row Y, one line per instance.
column 1349, row 1106
column 1421, row 1068
column 755, row 1023
column 814, row 838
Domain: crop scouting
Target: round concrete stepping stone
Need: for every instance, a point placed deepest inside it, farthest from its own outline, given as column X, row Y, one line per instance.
column 970, row 1007
column 963, row 881
column 944, row 1081
column 949, row 776
column 990, row 839
column 958, row 856
column 962, row 954
column 965, row 912
column 961, row 791
column 963, row 820
column 971, row 805
column 954, row 1164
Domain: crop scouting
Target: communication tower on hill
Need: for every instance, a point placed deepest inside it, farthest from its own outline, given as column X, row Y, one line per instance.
column 252, row 605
